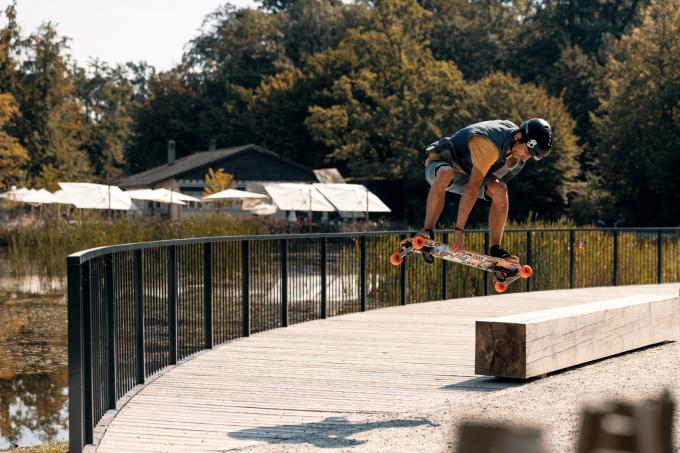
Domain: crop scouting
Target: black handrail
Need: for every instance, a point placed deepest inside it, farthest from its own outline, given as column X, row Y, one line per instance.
column 136, row 309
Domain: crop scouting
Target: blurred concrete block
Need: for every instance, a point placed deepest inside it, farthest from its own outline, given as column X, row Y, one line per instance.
column 644, row 427
column 477, row 437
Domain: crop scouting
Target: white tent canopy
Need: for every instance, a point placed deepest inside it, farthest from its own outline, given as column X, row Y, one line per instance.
column 171, row 196
column 32, row 196
column 14, row 193
column 153, row 195
column 41, row 196
column 297, row 197
column 352, row 198
column 96, row 196
column 261, row 209
column 232, row 194
column 62, row 197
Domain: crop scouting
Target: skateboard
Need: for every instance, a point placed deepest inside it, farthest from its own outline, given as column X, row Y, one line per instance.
column 505, row 271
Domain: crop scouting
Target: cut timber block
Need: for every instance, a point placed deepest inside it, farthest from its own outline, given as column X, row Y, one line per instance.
column 531, row 344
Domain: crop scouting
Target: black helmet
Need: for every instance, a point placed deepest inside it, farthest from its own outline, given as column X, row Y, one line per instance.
column 537, row 135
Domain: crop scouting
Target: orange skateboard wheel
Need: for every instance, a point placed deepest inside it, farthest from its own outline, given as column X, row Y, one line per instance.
column 526, row 271
column 396, row 259
column 418, row 242
column 500, row 287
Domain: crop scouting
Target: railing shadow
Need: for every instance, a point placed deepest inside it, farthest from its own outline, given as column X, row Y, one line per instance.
column 332, row 432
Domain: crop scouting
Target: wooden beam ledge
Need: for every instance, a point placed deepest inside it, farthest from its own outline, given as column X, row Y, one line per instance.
column 535, row 343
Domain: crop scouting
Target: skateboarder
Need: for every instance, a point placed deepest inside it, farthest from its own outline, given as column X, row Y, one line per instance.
column 476, row 162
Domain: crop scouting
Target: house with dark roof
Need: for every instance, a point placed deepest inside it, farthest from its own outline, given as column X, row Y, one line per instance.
column 249, row 164
column 246, row 163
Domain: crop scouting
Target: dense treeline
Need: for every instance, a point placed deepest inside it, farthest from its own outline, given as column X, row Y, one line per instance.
column 365, row 86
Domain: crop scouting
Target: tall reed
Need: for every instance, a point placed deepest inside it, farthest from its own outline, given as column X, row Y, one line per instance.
column 39, row 248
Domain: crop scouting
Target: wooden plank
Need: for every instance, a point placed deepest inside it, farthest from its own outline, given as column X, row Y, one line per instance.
column 535, row 343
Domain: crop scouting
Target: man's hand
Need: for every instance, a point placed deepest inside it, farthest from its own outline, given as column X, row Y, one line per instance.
column 458, row 241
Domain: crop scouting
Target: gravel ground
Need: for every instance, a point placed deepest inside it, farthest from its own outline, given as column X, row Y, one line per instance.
column 553, row 404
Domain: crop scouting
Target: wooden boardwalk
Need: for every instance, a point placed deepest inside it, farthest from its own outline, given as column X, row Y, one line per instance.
column 281, row 383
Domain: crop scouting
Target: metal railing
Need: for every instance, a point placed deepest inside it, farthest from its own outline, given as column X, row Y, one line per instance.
column 135, row 309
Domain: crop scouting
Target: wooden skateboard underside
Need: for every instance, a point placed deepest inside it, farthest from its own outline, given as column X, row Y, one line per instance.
column 504, row 271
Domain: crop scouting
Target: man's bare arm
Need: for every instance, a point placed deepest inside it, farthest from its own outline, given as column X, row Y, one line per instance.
column 467, row 201
column 469, row 198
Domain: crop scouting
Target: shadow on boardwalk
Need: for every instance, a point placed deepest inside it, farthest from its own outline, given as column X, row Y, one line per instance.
column 332, row 432
column 486, row 384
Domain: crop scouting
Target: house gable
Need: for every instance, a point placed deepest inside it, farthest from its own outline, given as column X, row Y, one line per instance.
column 246, row 163
column 253, row 165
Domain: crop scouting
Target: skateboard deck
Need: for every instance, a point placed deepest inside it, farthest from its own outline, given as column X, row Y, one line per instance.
column 505, row 271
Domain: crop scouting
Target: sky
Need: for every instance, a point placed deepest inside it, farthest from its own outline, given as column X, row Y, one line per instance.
column 118, row 31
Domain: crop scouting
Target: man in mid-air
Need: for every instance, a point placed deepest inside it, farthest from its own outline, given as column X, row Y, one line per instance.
column 476, row 162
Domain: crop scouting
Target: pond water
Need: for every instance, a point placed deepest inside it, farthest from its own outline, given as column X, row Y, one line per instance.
column 33, row 366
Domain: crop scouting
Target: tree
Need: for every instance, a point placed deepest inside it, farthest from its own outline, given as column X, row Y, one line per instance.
column 578, row 77
column 475, row 35
column 238, row 47
column 13, row 156
column 313, row 26
column 563, row 44
column 543, row 187
column 174, row 110
column 275, row 116
column 390, row 98
column 10, row 47
column 50, row 126
column 638, row 136
column 217, row 181
column 106, row 97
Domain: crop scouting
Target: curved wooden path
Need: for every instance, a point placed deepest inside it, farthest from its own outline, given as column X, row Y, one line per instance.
column 281, row 383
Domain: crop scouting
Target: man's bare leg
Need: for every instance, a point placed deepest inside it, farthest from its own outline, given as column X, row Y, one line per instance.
column 437, row 196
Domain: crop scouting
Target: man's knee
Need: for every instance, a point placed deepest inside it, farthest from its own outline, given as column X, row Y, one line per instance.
column 497, row 191
column 444, row 176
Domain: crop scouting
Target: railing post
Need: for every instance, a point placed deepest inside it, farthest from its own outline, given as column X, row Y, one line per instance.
column 486, row 274
column 172, row 304
column 572, row 259
column 362, row 273
column 284, row 282
column 529, row 284
column 615, row 269
column 659, row 257
column 245, row 288
column 208, row 294
column 76, row 370
column 111, row 331
column 402, row 278
column 445, row 268
column 324, row 270
column 139, row 319
column 88, row 402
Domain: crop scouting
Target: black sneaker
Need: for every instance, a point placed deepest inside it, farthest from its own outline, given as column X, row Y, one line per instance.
column 498, row 252
column 426, row 233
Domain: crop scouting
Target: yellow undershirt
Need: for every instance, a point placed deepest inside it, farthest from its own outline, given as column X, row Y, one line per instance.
column 483, row 152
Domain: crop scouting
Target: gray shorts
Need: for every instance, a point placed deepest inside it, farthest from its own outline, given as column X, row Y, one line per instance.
column 459, row 181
